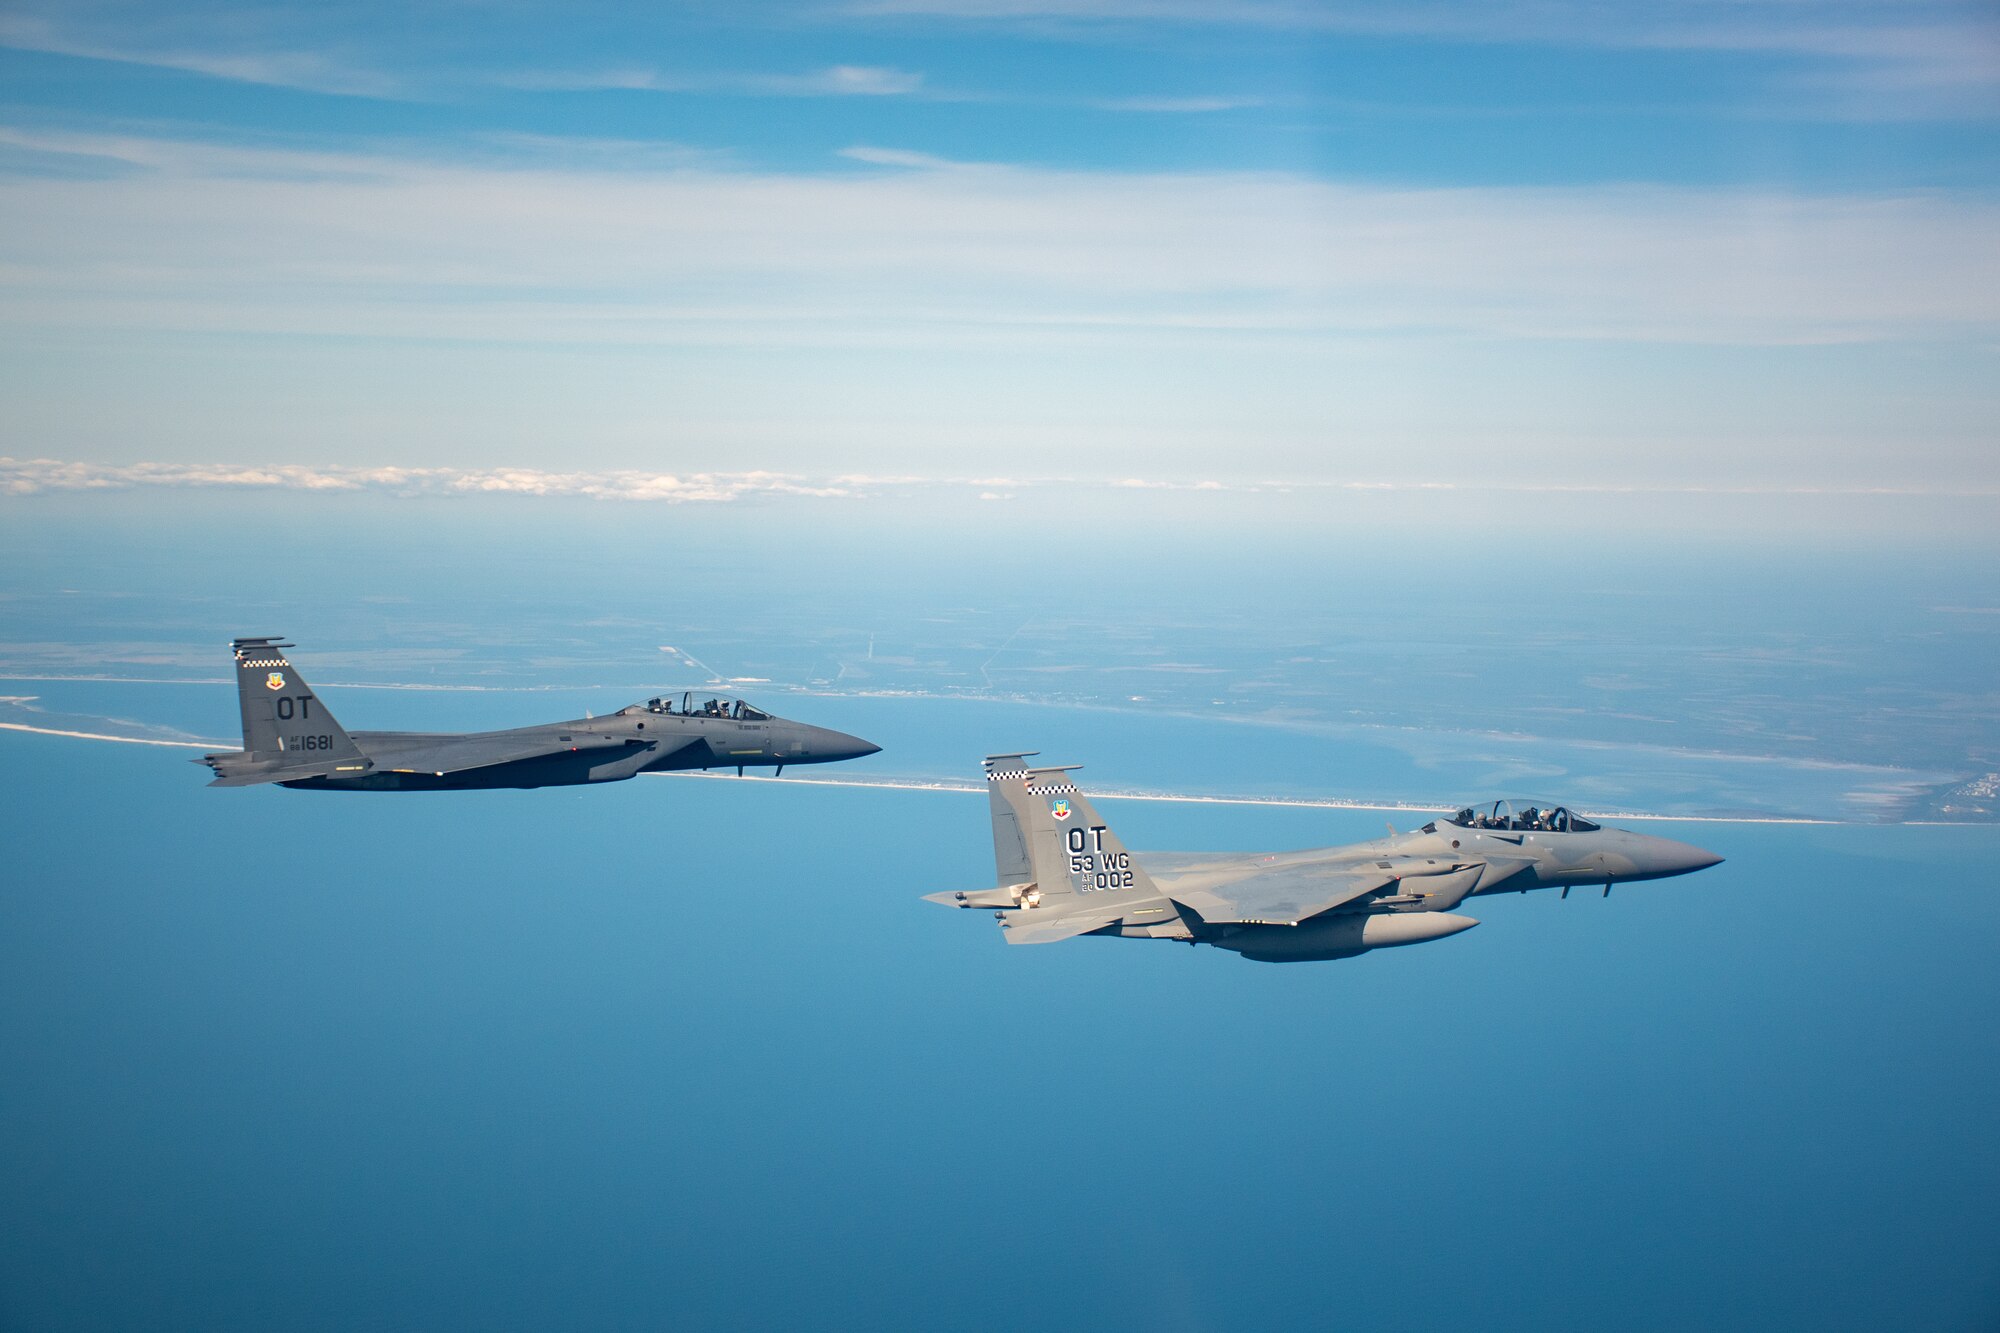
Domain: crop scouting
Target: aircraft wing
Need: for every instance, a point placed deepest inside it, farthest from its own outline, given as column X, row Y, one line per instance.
column 1172, row 865
column 415, row 753
column 1284, row 895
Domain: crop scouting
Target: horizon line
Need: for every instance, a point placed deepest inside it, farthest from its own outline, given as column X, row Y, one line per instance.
column 21, row 477
column 958, row 786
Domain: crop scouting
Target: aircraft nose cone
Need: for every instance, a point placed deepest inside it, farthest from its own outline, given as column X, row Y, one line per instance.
column 1679, row 858
column 827, row 746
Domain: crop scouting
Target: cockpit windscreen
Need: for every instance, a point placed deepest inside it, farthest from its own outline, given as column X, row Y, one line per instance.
column 1520, row 816
column 687, row 707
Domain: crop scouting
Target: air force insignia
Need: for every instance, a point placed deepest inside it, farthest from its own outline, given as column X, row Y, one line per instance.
column 1060, row 809
column 275, row 681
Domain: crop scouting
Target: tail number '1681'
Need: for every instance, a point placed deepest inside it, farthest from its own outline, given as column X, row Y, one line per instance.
column 1091, row 867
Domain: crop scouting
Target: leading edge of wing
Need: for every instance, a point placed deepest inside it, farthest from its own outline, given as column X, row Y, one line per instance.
column 461, row 754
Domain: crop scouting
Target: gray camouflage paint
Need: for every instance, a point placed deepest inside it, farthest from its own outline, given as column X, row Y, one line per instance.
column 290, row 738
column 1064, row 873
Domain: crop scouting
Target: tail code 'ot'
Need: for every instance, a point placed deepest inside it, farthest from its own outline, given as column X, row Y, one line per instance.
column 281, row 714
column 1046, row 832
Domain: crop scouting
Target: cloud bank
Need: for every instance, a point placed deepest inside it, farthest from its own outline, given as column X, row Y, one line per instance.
column 33, row 476
column 903, row 248
column 30, row 476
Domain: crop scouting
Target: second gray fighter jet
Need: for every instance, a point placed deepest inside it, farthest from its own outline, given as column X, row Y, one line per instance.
column 1064, row 873
column 290, row 738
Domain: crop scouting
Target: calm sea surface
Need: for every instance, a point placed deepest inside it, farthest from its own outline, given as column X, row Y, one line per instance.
column 686, row 1053
column 694, row 1052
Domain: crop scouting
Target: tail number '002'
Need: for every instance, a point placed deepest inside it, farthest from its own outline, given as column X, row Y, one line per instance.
column 1091, row 867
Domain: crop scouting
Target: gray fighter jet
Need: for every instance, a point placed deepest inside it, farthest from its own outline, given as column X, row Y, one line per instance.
column 290, row 738
column 1063, row 873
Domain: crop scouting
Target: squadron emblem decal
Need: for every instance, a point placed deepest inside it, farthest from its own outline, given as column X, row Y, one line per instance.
column 275, row 681
column 1060, row 809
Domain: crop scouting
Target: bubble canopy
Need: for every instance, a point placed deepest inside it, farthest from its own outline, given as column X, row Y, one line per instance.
column 687, row 707
column 1523, row 815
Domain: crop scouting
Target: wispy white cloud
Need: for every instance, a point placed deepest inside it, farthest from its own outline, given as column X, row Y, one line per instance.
column 597, row 153
column 215, row 49
column 1013, row 319
column 860, row 80
column 1856, row 57
column 832, row 81
column 312, row 71
column 899, row 157
column 1194, row 105
column 200, row 236
column 1942, row 56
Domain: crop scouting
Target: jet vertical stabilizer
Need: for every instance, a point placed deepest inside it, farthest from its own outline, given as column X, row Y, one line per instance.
column 1062, row 870
column 286, row 729
column 1043, row 824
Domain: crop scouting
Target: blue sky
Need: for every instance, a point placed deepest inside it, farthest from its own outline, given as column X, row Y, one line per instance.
column 1672, row 245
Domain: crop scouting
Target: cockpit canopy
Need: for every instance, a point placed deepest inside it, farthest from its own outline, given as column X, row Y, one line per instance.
column 1518, row 816
column 687, row 707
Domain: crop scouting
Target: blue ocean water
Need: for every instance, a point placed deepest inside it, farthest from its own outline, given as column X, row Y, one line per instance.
column 1123, row 749
column 693, row 1053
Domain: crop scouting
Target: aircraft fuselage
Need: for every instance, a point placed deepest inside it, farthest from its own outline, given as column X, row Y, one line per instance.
column 603, row 749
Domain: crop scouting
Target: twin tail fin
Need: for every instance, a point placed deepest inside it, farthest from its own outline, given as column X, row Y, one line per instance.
column 1047, row 833
column 287, row 732
column 1062, row 871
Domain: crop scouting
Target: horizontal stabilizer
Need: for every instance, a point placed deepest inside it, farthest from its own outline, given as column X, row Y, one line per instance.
column 1035, row 928
column 1006, row 896
column 250, row 770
